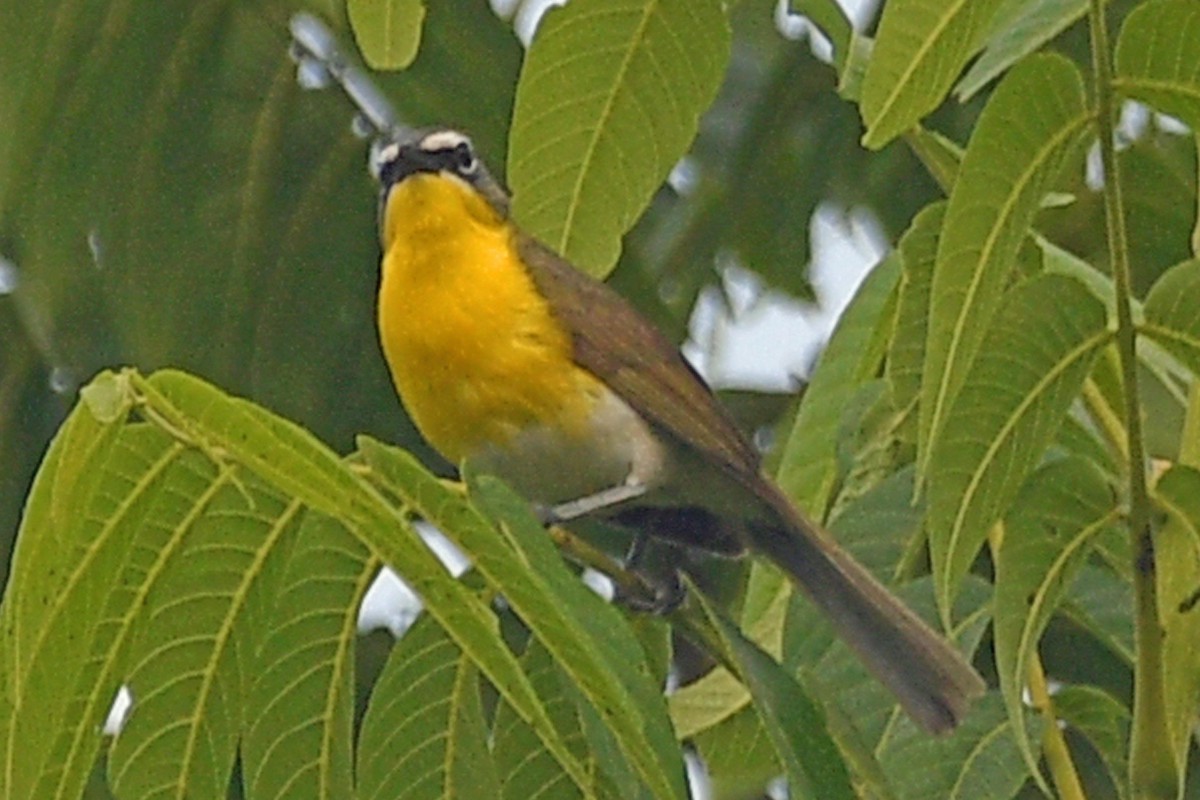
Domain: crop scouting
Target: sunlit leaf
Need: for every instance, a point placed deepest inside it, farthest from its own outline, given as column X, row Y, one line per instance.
column 609, row 99
column 423, row 736
column 187, row 661
column 388, row 32
column 586, row 636
column 299, row 712
column 919, row 49
column 293, row 460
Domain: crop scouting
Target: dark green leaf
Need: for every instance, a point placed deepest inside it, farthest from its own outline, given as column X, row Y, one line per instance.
column 1031, row 366
column 1061, row 510
column 1033, row 124
column 794, row 722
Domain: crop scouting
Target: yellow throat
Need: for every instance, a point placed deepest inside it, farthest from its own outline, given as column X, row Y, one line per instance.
column 473, row 348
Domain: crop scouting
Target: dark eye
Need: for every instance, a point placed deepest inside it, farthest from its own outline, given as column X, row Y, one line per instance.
column 465, row 162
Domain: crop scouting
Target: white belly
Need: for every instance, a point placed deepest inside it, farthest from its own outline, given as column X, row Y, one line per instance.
column 547, row 466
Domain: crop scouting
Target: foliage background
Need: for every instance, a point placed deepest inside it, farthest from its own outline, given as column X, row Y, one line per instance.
column 170, row 196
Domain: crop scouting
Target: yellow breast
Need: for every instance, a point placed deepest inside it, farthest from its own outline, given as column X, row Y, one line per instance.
column 474, row 351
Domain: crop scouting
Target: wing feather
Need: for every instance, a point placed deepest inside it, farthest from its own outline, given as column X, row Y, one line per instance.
column 629, row 355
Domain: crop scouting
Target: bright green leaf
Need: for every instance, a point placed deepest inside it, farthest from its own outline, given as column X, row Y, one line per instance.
column 1033, row 124
column 97, row 487
column 195, row 629
column 1030, row 368
column 300, row 709
column 296, row 462
column 919, row 49
column 1158, row 58
column 388, row 32
column 423, row 736
column 609, row 99
column 587, row 637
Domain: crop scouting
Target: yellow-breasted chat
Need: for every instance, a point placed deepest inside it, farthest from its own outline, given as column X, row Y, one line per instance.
column 507, row 357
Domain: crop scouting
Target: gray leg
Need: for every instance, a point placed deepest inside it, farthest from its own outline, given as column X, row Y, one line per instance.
column 590, row 504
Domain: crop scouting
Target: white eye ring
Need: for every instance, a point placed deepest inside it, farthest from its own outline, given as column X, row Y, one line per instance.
column 468, row 163
column 380, row 156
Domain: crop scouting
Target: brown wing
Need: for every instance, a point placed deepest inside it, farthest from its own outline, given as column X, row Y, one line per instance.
column 625, row 351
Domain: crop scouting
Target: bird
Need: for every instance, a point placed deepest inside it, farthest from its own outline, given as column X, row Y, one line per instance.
column 508, row 358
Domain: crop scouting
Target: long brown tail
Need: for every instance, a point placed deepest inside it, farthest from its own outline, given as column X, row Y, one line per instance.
column 931, row 680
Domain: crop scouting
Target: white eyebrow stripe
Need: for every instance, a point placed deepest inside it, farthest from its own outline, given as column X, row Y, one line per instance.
column 443, row 140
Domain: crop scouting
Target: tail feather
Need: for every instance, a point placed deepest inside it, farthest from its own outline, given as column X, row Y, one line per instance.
column 931, row 680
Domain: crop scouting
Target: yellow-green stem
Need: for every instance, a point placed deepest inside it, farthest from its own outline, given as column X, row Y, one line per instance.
column 1054, row 746
column 1151, row 765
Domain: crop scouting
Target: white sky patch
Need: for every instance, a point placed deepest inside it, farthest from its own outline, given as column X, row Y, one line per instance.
column 766, row 339
column 118, row 712
column 390, row 602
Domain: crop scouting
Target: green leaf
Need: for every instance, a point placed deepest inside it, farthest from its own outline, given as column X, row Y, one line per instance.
column 293, row 460
column 1100, row 603
column 919, row 49
column 195, row 630
column 609, row 99
column 1030, row 368
column 77, row 586
column 1171, row 318
column 1033, row 124
column 388, row 32
column 794, row 722
column 423, row 735
column 525, row 768
column 298, row 728
column 739, row 757
column 1177, row 557
column 1019, row 28
column 808, row 463
column 906, row 352
column 587, row 637
column 1063, row 507
column 979, row 761
column 1158, row 58
column 832, row 20
column 1104, row 722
